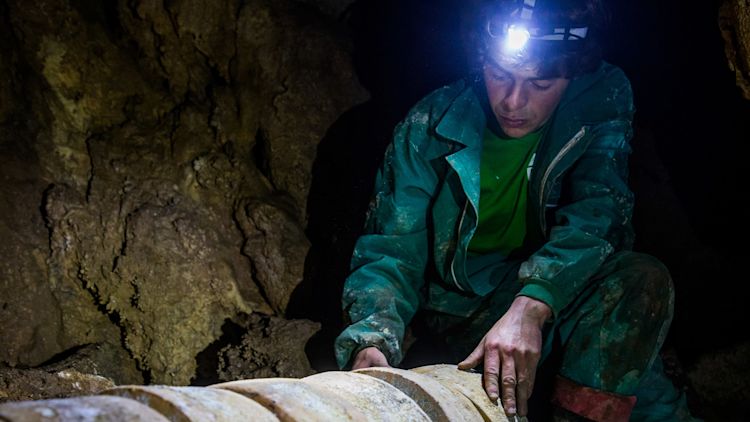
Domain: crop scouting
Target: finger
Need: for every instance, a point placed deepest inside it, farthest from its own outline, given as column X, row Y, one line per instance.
column 474, row 357
column 491, row 373
column 380, row 360
column 522, row 394
column 368, row 358
column 509, row 382
column 362, row 363
column 522, row 384
column 532, row 377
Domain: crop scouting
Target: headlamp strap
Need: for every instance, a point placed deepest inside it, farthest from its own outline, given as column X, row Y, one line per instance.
column 525, row 12
column 564, row 33
column 527, row 9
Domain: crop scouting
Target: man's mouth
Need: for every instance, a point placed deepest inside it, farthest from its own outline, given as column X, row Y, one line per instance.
column 512, row 122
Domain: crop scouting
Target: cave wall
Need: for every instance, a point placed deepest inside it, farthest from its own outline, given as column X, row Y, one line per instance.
column 171, row 167
column 155, row 170
column 734, row 22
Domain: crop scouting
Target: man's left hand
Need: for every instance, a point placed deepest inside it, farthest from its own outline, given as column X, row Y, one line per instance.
column 511, row 350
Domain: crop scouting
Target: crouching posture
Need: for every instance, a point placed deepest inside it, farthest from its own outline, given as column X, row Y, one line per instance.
column 502, row 213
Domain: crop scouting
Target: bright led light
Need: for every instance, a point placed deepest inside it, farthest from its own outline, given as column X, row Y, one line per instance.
column 516, row 39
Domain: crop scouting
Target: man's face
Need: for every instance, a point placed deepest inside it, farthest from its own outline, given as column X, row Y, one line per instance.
column 521, row 101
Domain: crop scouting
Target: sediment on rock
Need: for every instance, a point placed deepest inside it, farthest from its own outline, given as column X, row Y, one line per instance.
column 734, row 22
column 157, row 162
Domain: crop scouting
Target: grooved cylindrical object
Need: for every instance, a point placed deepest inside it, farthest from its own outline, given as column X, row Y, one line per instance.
column 294, row 400
column 438, row 401
column 467, row 383
column 439, row 393
column 376, row 399
column 196, row 404
column 80, row 409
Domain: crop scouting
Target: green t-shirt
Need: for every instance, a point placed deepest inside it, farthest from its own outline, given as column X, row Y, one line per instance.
column 504, row 184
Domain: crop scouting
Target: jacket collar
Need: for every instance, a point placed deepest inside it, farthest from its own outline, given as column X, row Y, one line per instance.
column 464, row 122
column 577, row 89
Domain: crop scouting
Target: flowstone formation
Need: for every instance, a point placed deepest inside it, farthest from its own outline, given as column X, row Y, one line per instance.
column 734, row 22
column 156, row 161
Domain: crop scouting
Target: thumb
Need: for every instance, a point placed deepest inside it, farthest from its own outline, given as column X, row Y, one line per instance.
column 380, row 360
column 474, row 357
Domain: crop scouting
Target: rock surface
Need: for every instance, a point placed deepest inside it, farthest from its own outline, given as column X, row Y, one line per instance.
column 722, row 380
column 79, row 374
column 734, row 21
column 271, row 347
column 156, row 160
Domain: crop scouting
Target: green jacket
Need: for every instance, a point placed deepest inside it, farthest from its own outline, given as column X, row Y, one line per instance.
column 424, row 210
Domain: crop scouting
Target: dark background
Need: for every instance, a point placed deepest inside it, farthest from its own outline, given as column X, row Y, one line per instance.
column 690, row 126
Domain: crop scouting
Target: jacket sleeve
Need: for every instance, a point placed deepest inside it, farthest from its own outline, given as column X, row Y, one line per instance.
column 594, row 220
column 382, row 293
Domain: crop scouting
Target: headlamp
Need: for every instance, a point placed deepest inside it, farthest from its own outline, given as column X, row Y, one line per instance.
column 516, row 31
column 516, row 38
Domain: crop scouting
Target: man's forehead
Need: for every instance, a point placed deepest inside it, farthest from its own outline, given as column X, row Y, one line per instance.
column 521, row 69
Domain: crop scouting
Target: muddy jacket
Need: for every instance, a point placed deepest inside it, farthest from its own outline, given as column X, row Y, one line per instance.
column 424, row 210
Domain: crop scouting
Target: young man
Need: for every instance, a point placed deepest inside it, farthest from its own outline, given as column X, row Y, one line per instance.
column 502, row 212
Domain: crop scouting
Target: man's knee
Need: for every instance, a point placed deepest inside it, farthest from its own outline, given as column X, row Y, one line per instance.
column 642, row 282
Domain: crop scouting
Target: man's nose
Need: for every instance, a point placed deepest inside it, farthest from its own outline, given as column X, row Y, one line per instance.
column 515, row 98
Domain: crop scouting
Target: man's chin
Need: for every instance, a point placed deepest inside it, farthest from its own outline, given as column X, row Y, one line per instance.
column 515, row 132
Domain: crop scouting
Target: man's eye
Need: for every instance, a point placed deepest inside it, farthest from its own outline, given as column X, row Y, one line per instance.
column 499, row 77
column 541, row 85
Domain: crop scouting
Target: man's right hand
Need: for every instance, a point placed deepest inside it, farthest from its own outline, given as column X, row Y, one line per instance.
column 369, row 357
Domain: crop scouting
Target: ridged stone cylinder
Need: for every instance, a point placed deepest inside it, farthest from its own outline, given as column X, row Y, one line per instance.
column 429, row 393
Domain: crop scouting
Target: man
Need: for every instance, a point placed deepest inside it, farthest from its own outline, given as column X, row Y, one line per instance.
column 502, row 212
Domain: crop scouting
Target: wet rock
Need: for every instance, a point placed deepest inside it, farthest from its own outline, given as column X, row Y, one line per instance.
column 78, row 374
column 734, row 21
column 333, row 8
column 168, row 278
column 277, row 247
column 33, row 384
column 272, row 347
column 722, row 380
column 288, row 56
column 29, row 313
column 9, row 91
column 145, row 128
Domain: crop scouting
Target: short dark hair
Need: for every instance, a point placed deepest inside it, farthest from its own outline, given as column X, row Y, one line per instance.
column 554, row 59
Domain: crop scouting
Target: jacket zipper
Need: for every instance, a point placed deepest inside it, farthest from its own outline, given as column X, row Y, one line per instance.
column 542, row 192
column 453, row 261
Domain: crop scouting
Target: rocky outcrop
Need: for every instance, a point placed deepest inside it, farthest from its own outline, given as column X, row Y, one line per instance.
column 157, row 160
column 269, row 348
column 78, row 374
column 734, row 22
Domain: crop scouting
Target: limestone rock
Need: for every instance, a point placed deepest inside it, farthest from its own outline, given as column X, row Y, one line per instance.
column 79, row 374
column 9, row 91
column 290, row 58
column 29, row 313
column 137, row 132
column 333, row 8
column 734, row 22
column 277, row 247
column 272, row 347
column 723, row 378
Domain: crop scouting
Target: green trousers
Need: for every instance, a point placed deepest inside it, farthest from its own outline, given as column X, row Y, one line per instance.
column 608, row 339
